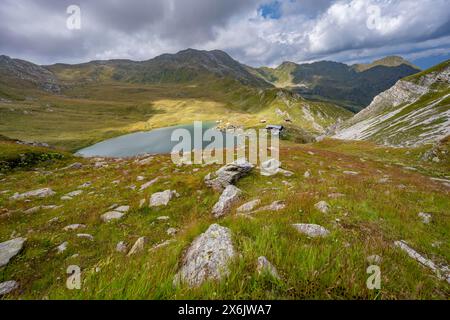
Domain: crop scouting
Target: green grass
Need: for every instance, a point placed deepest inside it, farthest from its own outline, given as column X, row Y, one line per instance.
column 366, row 221
column 84, row 115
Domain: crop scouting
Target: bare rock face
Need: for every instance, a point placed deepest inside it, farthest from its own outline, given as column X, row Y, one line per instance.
column 311, row 230
column 39, row 193
column 228, row 197
column 8, row 287
column 161, row 198
column 9, row 249
column 228, row 174
column 207, row 258
column 264, row 265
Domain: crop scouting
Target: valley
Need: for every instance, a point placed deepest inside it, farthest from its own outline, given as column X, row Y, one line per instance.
column 352, row 190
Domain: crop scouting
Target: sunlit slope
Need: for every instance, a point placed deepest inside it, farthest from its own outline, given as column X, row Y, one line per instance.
column 413, row 112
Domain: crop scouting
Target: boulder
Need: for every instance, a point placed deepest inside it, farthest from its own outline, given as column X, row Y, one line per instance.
column 228, row 197
column 207, row 258
column 228, row 174
column 39, row 193
column 161, row 198
column 311, row 230
column 9, row 249
column 8, row 287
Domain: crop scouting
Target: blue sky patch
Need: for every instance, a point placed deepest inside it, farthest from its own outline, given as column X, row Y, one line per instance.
column 271, row 10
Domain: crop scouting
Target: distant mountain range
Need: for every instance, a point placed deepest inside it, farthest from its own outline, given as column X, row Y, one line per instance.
column 353, row 87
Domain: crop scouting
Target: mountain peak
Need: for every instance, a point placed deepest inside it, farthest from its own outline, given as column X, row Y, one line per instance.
column 389, row 61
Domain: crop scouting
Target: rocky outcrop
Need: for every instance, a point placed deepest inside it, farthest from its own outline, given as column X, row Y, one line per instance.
column 207, row 257
column 443, row 272
column 39, row 193
column 228, row 197
column 228, row 174
column 162, row 198
column 9, row 249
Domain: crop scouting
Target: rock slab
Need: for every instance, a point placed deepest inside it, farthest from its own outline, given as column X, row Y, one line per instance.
column 207, row 258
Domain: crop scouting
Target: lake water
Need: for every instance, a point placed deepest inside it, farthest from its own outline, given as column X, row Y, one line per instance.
column 156, row 141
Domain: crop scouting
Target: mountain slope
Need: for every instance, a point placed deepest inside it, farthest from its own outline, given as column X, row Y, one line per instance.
column 413, row 112
column 351, row 86
column 390, row 61
column 185, row 66
column 19, row 73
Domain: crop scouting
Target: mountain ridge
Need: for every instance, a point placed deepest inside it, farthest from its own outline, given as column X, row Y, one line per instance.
column 415, row 111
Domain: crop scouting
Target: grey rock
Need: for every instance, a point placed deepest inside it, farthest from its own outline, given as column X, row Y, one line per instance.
column 207, row 257
column 274, row 206
column 111, row 215
column 163, row 218
column 161, row 198
column 351, row 173
column 85, row 236
column 9, row 249
column 138, row 246
column 72, row 227
column 322, row 206
column 8, row 287
column 228, row 174
column 264, row 266
column 442, row 272
column 39, row 193
column 123, row 209
column 228, row 197
column 311, row 230
column 249, row 206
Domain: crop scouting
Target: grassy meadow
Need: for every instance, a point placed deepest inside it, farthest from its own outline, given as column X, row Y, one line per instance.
column 365, row 220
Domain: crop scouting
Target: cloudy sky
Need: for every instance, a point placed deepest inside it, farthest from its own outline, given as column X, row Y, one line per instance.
column 255, row 32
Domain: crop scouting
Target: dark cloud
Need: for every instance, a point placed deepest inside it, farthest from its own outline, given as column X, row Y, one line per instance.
column 304, row 30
